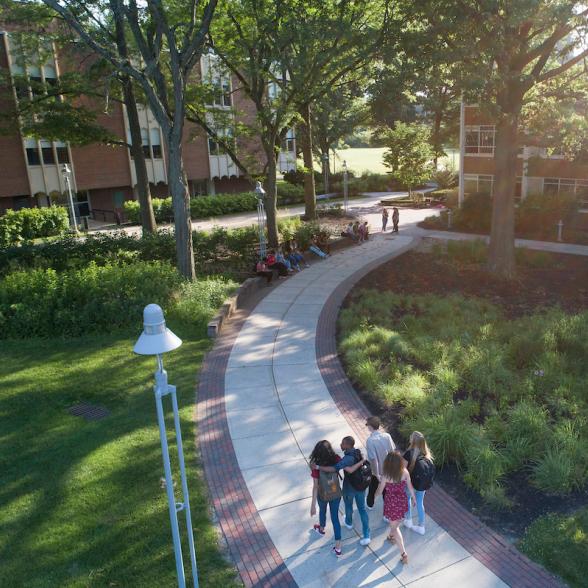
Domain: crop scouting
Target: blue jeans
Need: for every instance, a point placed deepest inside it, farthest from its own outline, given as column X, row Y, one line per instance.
column 334, row 509
column 420, row 498
column 317, row 251
column 359, row 497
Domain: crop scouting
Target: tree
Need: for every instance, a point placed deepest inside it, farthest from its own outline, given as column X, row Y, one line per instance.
column 285, row 56
column 169, row 40
column 336, row 116
column 409, row 154
column 506, row 50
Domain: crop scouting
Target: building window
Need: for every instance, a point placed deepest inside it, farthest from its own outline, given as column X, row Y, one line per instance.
column 212, row 146
column 62, row 152
column 145, row 143
column 288, row 143
column 32, row 149
column 218, row 148
column 480, row 139
column 478, row 184
column 156, row 143
column 47, row 152
column 553, row 186
column 221, row 91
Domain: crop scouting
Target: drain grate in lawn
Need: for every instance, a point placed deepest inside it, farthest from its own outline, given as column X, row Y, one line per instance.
column 89, row 412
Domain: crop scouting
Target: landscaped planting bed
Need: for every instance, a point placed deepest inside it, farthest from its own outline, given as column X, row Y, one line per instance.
column 493, row 373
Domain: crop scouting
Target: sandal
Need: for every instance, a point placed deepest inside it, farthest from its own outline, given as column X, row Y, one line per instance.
column 404, row 558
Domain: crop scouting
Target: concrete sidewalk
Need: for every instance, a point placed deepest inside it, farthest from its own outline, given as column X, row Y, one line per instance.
column 278, row 407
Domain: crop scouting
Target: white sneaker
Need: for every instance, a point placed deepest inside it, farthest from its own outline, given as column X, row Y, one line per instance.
column 407, row 523
column 348, row 526
column 365, row 541
column 418, row 529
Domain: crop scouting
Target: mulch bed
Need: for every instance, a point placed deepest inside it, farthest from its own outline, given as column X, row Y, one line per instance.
column 563, row 282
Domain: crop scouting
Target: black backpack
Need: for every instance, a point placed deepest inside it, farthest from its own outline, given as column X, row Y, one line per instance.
column 361, row 478
column 423, row 473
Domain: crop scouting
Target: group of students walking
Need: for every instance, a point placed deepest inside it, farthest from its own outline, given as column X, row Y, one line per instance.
column 402, row 479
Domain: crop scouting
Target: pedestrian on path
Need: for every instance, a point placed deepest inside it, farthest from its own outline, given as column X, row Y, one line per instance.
column 326, row 489
column 385, row 216
column 396, row 481
column 350, row 458
column 395, row 219
column 379, row 444
column 361, row 231
column 420, row 466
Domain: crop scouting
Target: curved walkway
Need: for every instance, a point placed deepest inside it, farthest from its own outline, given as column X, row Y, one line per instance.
column 269, row 390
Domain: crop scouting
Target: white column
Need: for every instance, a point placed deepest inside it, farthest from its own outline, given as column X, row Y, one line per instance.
column 460, row 196
column 525, row 176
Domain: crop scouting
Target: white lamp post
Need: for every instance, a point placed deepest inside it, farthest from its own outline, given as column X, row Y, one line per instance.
column 326, row 172
column 66, row 171
column 260, row 192
column 157, row 339
column 345, row 185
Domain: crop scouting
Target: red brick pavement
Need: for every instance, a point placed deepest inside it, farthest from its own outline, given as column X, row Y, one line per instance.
column 252, row 550
column 487, row 546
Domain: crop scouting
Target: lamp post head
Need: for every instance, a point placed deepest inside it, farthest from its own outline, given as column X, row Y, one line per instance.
column 156, row 338
column 344, row 165
column 65, row 170
column 259, row 190
column 325, row 157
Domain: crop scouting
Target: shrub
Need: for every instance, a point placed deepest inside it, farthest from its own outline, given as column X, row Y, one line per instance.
column 538, row 214
column 445, row 179
column 43, row 303
column 485, row 468
column 475, row 213
column 32, row 223
column 289, row 193
column 200, row 207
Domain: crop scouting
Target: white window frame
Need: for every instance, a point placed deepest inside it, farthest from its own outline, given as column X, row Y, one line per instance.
column 480, row 148
column 485, row 178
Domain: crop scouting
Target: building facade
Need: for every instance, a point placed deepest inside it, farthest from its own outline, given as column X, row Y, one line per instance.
column 103, row 177
column 538, row 172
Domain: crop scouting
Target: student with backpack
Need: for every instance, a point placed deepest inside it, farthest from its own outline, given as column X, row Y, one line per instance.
column 355, row 482
column 326, row 489
column 421, row 468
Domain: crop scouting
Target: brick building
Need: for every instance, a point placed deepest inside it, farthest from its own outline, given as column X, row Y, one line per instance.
column 102, row 176
column 537, row 173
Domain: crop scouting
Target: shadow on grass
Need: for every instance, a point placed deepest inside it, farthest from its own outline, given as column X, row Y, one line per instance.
column 81, row 502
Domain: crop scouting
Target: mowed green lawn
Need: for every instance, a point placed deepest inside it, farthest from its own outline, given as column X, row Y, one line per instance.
column 370, row 159
column 81, row 503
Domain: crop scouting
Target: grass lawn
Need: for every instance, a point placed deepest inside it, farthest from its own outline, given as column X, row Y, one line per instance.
column 81, row 503
column 560, row 543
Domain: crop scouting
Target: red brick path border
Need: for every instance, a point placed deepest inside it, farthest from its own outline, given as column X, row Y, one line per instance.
column 257, row 560
column 487, row 546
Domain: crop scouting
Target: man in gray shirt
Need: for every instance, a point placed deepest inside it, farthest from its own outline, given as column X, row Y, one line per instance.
column 378, row 444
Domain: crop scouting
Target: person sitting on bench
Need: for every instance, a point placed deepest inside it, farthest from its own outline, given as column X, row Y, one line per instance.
column 262, row 270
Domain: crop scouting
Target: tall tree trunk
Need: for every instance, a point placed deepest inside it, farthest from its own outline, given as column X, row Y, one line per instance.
column 501, row 255
column 309, row 187
column 271, row 197
column 145, row 204
column 435, row 136
column 181, row 204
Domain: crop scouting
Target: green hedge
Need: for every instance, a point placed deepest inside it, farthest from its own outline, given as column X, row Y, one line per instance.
column 220, row 250
column 207, row 206
column 32, row 223
column 45, row 303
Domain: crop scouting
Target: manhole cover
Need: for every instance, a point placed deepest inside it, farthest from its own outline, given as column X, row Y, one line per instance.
column 90, row 412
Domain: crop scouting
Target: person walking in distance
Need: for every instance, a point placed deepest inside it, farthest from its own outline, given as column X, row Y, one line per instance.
column 353, row 488
column 396, row 482
column 420, row 466
column 385, row 216
column 379, row 444
column 395, row 219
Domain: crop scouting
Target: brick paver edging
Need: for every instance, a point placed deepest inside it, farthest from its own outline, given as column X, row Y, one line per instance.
column 487, row 546
column 252, row 550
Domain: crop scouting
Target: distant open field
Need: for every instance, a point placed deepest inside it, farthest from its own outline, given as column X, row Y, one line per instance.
column 360, row 159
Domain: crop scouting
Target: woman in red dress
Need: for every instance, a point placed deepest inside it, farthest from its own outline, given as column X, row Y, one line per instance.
column 395, row 480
